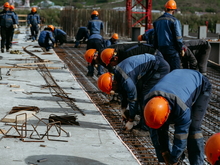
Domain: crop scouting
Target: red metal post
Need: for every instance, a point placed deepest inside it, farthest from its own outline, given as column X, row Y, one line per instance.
column 147, row 13
column 128, row 14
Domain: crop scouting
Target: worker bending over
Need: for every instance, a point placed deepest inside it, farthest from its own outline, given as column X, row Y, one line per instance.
column 180, row 98
column 133, row 78
column 95, row 25
column 148, row 36
column 112, row 40
column 12, row 8
column 46, row 40
column 81, row 34
column 33, row 21
column 7, row 22
column 59, row 34
column 121, row 51
column 167, row 36
column 200, row 51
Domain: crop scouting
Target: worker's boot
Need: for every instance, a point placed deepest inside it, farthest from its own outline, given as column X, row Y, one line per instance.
column 7, row 50
column 2, row 50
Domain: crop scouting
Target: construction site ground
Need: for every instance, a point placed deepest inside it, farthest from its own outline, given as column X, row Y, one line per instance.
column 93, row 142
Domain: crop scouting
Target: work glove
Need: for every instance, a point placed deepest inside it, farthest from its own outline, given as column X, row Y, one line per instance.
column 129, row 125
column 39, row 25
column 15, row 26
column 54, row 45
column 123, row 113
column 182, row 53
column 30, row 25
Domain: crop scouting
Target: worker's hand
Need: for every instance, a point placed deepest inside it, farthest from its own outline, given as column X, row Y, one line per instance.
column 15, row 26
column 182, row 53
column 30, row 25
column 123, row 113
column 39, row 25
column 54, row 45
column 129, row 125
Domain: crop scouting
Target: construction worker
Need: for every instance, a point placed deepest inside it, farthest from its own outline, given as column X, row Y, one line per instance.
column 59, row 34
column 95, row 25
column 81, row 34
column 33, row 21
column 96, row 42
column 200, row 50
column 45, row 38
column 112, row 40
column 133, row 78
column 167, row 36
column 180, row 98
column 122, row 51
column 116, row 54
column 12, row 8
column 148, row 36
column 7, row 23
column 212, row 149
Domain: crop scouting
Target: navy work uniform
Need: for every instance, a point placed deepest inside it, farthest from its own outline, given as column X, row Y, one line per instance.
column 187, row 92
column 45, row 38
column 34, row 20
column 60, row 36
column 81, row 34
column 95, row 42
column 7, row 19
column 135, row 76
column 168, row 39
column 200, row 49
column 109, row 42
column 95, row 25
column 148, row 36
column 12, row 34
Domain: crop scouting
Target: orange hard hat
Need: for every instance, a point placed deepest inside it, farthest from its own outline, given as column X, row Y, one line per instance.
column 95, row 13
column 34, row 9
column 12, row 7
column 107, row 55
column 156, row 112
column 51, row 26
column 89, row 55
column 212, row 148
column 6, row 4
column 140, row 38
column 171, row 4
column 105, row 82
column 115, row 36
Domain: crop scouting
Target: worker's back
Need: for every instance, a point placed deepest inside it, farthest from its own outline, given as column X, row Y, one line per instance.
column 167, row 34
column 95, row 25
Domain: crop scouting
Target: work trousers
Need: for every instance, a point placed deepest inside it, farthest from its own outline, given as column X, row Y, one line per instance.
column 202, row 56
column 98, row 45
column 173, row 60
column 6, row 36
column 61, row 39
column 34, row 31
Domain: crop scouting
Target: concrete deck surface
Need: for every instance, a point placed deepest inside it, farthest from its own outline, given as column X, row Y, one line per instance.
column 91, row 143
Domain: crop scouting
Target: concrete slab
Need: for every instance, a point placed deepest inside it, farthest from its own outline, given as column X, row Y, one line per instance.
column 91, row 143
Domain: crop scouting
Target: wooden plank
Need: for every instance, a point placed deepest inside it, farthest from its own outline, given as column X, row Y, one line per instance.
column 22, row 20
column 27, row 67
column 37, row 63
column 12, row 117
column 22, row 15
